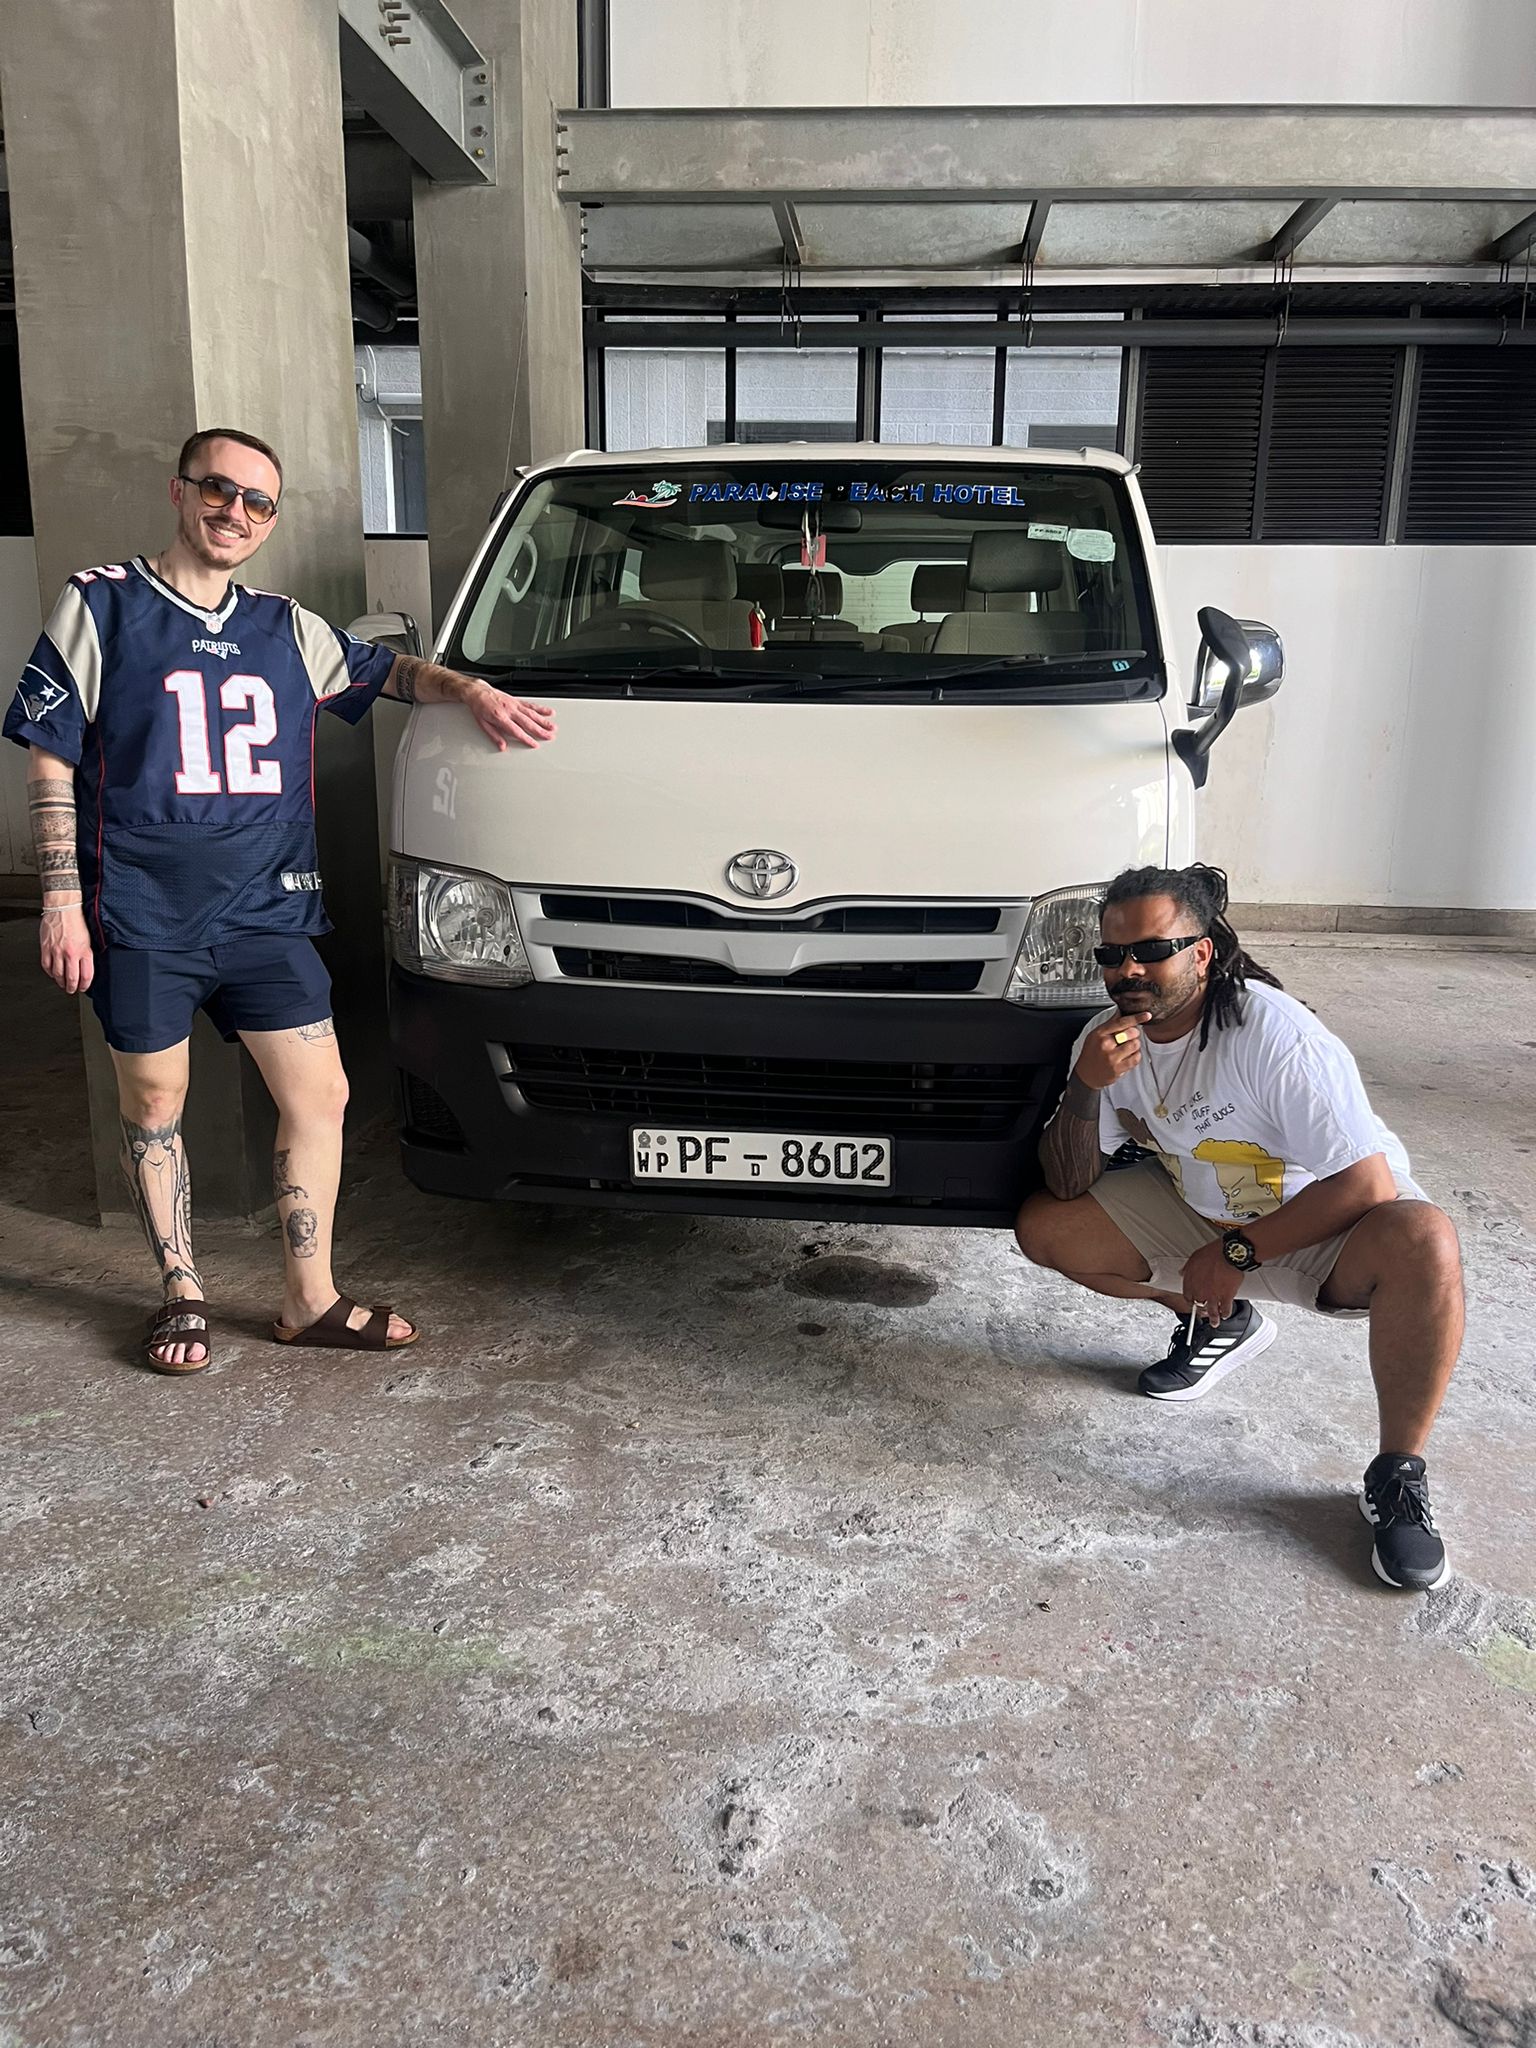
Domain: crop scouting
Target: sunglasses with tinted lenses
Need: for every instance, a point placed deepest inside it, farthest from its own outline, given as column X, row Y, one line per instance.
column 1145, row 952
column 219, row 493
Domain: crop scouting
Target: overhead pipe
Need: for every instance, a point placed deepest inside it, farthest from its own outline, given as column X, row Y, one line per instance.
column 1302, row 332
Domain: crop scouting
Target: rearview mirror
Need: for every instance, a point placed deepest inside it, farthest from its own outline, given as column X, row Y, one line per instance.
column 389, row 629
column 824, row 517
column 1262, row 672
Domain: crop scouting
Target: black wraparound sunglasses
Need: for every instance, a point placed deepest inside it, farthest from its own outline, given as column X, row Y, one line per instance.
column 1145, row 952
column 219, row 493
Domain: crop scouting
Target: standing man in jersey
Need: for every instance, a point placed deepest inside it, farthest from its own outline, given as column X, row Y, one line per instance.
column 1265, row 1176
column 170, row 714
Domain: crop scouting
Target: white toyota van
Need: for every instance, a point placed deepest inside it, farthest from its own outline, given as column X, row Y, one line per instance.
column 796, row 916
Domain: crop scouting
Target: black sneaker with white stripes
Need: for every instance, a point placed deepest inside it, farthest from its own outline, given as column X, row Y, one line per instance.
column 1407, row 1551
column 1215, row 1349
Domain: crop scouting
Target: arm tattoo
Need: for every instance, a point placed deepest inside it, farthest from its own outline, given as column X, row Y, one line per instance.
column 404, row 678
column 155, row 1167
column 415, row 681
column 325, row 1028
column 51, row 807
column 1069, row 1151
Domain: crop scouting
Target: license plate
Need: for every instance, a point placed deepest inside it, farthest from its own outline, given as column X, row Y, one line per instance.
column 777, row 1158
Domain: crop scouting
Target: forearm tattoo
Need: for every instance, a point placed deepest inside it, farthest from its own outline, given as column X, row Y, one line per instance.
column 1069, row 1151
column 404, row 678
column 415, row 681
column 51, row 808
column 155, row 1167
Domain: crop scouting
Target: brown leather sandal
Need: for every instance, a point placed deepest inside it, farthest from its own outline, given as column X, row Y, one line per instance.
column 331, row 1332
column 184, row 1321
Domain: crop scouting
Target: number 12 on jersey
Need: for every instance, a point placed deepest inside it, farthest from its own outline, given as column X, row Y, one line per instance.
column 243, row 776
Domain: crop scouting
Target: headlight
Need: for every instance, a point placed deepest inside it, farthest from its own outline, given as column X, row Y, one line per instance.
column 1056, row 963
column 455, row 926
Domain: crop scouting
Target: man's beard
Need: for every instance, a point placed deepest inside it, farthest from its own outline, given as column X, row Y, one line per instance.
column 1157, row 1002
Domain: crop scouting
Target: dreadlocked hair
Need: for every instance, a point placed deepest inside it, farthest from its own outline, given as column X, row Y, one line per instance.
column 1201, row 892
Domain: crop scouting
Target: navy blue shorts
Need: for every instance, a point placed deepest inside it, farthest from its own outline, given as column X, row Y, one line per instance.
column 262, row 982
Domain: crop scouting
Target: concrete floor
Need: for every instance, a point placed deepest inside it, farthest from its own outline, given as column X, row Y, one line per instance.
column 727, row 1633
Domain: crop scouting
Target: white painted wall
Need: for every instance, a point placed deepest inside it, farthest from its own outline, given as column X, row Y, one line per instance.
column 767, row 53
column 1396, row 764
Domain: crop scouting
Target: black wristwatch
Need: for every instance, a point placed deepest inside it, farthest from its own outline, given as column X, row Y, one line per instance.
column 1238, row 1251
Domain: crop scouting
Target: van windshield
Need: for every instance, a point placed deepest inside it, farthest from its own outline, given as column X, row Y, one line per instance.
column 862, row 573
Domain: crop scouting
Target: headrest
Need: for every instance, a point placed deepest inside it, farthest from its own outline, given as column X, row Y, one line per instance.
column 938, row 587
column 797, row 598
column 761, row 583
column 1009, row 561
column 698, row 569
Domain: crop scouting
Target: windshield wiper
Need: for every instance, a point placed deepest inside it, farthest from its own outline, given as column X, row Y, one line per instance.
column 1022, row 666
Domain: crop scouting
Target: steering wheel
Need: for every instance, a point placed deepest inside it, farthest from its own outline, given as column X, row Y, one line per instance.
column 628, row 623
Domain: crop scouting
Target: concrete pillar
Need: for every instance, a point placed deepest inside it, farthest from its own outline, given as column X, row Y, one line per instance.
column 498, row 282
column 178, row 215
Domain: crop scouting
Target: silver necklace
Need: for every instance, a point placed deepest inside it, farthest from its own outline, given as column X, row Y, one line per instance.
column 1160, row 1107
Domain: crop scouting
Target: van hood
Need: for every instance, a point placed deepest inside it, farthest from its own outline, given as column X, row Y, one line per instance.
column 904, row 801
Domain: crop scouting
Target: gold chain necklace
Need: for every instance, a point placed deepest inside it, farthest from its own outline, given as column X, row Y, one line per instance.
column 1160, row 1107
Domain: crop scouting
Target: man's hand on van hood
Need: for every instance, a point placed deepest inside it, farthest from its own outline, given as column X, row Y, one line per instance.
column 502, row 718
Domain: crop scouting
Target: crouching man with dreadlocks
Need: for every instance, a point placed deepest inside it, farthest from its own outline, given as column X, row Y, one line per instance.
column 1264, row 1176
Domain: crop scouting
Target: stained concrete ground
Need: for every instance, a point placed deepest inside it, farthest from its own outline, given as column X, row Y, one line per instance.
column 722, row 1632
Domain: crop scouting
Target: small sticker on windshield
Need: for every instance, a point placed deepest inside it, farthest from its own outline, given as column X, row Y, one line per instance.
column 1091, row 544
column 660, row 494
column 1038, row 531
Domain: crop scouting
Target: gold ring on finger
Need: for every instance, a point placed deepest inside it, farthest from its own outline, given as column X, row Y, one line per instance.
column 1122, row 1038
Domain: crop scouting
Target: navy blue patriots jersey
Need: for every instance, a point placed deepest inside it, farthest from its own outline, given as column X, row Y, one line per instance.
column 192, row 734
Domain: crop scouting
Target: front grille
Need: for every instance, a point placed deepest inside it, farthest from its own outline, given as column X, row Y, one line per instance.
column 858, row 977
column 901, row 920
column 427, row 1115
column 933, row 1099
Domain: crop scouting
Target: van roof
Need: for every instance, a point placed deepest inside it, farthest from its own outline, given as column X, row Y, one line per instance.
column 781, row 452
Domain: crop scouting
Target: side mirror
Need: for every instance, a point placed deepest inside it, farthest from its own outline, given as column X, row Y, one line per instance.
column 1263, row 675
column 1226, row 645
column 389, row 629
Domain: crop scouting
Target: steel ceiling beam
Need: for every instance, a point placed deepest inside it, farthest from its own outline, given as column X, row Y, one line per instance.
column 790, row 234
column 1034, row 232
column 1085, row 154
column 418, row 74
column 1514, row 241
column 1297, row 229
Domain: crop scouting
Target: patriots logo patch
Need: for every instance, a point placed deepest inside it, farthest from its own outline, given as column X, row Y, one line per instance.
column 39, row 702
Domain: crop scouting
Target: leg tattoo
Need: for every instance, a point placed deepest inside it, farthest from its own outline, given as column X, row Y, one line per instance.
column 283, row 1185
column 155, row 1167
column 302, row 1226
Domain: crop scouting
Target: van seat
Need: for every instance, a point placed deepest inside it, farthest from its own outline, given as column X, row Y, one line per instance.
column 936, row 587
column 1006, row 573
column 694, row 582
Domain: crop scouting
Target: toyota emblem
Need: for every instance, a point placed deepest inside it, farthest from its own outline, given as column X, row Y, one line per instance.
column 762, row 873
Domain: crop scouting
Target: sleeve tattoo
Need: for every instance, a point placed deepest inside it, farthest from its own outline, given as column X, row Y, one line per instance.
column 1069, row 1150
column 51, row 807
column 415, row 681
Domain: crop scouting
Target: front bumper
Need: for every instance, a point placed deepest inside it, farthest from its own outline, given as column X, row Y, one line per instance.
column 530, row 1094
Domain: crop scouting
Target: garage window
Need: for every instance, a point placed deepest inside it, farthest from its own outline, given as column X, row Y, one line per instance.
column 1269, row 444
column 1472, row 461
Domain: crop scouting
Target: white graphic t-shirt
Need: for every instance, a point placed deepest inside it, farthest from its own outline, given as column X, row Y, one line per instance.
column 1268, row 1106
